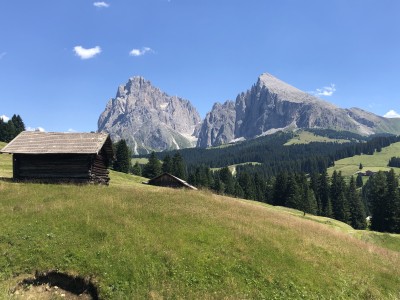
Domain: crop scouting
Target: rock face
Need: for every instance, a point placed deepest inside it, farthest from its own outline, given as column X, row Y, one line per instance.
column 219, row 125
column 271, row 105
column 149, row 119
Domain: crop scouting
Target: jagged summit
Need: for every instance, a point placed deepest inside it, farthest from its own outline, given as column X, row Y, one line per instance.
column 272, row 104
column 149, row 119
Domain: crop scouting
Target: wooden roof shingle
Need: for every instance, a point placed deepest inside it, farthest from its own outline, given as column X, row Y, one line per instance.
column 35, row 142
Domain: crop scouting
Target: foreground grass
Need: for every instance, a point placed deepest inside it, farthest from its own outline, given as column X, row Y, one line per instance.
column 139, row 241
column 376, row 162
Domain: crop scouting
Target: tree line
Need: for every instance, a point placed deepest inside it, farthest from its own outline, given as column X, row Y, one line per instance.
column 288, row 185
column 9, row 130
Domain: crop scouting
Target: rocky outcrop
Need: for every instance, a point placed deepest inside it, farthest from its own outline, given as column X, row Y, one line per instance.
column 271, row 105
column 218, row 126
column 149, row 119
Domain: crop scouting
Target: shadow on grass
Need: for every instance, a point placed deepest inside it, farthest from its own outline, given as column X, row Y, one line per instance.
column 74, row 284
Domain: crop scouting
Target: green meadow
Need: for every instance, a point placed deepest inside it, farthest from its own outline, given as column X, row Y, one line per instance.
column 143, row 242
column 376, row 162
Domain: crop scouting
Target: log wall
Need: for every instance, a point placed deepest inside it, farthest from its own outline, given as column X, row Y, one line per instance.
column 61, row 167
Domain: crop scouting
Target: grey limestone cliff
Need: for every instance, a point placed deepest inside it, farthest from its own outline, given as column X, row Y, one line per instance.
column 271, row 105
column 149, row 119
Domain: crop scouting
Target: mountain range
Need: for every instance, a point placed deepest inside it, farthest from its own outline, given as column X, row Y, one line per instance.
column 150, row 120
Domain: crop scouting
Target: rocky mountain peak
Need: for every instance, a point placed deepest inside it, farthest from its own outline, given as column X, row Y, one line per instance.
column 149, row 119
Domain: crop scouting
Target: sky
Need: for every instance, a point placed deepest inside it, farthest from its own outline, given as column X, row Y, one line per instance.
column 61, row 61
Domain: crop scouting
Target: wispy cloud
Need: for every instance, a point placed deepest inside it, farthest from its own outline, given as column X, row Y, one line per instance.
column 325, row 91
column 392, row 114
column 101, row 4
column 5, row 118
column 84, row 53
column 2, row 54
column 140, row 52
column 71, row 130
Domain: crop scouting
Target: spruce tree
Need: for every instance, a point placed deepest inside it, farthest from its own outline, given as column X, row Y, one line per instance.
column 179, row 166
column 123, row 158
column 393, row 202
column 357, row 211
column 239, row 193
column 227, row 178
column 323, row 194
column 167, row 166
column 359, row 180
column 293, row 196
column 339, row 202
column 280, row 189
column 18, row 124
column 136, row 169
column 376, row 195
column 153, row 167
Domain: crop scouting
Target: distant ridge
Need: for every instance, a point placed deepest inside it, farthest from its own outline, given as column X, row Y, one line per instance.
column 271, row 105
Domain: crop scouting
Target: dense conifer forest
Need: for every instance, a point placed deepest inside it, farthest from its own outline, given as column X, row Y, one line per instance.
column 10, row 129
column 293, row 176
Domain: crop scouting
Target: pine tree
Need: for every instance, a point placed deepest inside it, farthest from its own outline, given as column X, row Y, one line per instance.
column 123, row 158
column 359, row 180
column 247, row 185
column 18, row 124
column 280, row 189
column 179, row 166
column 239, row 193
column 339, row 202
column 167, row 166
column 376, row 195
column 153, row 167
column 323, row 194
column 136, row 169
column 357, row 211
column 227, row 178
column 314, row 185
column 293, row 196
column 393, row 202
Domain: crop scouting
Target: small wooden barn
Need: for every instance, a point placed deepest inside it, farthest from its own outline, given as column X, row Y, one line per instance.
column 169, row 180
column 61, row 157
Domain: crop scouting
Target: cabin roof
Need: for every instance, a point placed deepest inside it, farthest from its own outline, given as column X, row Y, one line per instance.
column 35, row 142
column 183, row 182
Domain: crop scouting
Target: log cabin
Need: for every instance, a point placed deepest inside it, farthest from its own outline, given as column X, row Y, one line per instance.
column 61, row 157
column 169, row 180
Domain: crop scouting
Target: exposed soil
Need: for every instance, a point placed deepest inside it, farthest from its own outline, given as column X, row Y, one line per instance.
column 55, row 285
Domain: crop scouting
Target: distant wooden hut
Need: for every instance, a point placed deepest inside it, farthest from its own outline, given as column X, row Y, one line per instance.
column 169, row 180
column 61, row 157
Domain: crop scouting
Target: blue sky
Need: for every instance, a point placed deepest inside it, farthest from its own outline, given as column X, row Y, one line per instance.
column 62, row 60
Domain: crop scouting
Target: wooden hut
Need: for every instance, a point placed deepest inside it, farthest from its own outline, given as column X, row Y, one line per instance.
column 169, row 180
column 61, row 157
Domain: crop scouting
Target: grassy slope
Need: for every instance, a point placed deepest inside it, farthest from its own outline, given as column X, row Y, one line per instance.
column 378, row 161
column 306, row 137
column 140, row 241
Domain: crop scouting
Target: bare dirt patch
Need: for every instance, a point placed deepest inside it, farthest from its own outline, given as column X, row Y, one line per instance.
column 55, row 285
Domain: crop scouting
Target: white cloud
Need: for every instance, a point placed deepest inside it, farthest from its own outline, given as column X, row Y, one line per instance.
column 2, row 54
column 325, row 91
column 392, row 114
column 71, row 130
column 5, row 118
column 84, row 53
column 101, row 4
column 140, row 52
column 41, row 129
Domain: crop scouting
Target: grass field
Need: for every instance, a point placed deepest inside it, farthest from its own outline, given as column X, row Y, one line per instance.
column 306, row 137
column 376, row 162
column 142, row 242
